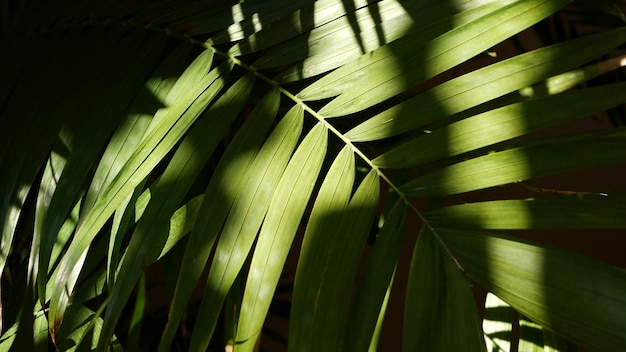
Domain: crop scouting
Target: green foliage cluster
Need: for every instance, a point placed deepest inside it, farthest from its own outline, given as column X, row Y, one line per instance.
column 210, row 140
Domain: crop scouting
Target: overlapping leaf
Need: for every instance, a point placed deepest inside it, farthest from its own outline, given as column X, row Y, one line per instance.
column 118, row 158
column 533, row 278
column 485, row 84
column 378, row 76
column 577, row 211
column 548, row 156
column 168, row 129
column 371, row 296
column 333, row 242
column 249, row 208
column 236, row 161
column 440, row 314
column 279, row 229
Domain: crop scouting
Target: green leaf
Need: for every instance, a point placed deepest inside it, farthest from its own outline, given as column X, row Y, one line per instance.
column 81, row 330
column 249, row 208
column 375, row 283
column 99, row 118
column 550, row 156
column 225, row 186
column 502, row 124
column 151, row 235
column 485, row 84
column 8, row 337
column 134, row 331
column 550, row 286
column 181, row 223
column 340, row 41
column 279, row 228
column 331, row 202
column 291, row 21
column 129, row 133
column 333, row 251
column 427, row 21
column 579, row 211
column 40, row 330
column 440, row 313
column 438, row 55
column 169, row 128
column 33, row 132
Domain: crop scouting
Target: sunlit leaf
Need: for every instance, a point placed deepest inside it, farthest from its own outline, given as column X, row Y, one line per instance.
column 577, row 211
column 329, row 268
column 540, row 282
column 485, row 84
column 428, row 20
column 249, row 208
column 279, row 228
column 502, row 124
column 151, row 235
column 442, row 53
column 81, row 329
column 330, row 204
column 160, row 140
column 194, row 144
column 518, row 164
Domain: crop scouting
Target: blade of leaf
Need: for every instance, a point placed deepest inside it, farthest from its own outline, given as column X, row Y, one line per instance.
column 444, row 52
column 224, row 187
column 125, row 140
column 373, row 347
column 328, row 48
column 555, row 343
column 440, row 313
column 522, row 163
column 155, row 145
column 531, row 336
column 134, row 331
column 40, row 329
column 249, row 207
column 332, row 200
column 338, row 42
column 502, row 124
column 335, row 270
column 126, row 215
column 182, row 222
column 538, row 280
column 578, row 211
column 374, row 286
column 486, row 84
column 81, row 329
column 128, row 135
column 337, row 286
column 278, row 26
column 279, row 228
column 151, row 235
column 33, row 132
column 92, row 133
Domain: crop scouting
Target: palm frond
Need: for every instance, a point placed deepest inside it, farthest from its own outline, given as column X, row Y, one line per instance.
column 226, row 137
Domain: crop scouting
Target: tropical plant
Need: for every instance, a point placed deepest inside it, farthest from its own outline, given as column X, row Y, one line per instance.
column 209, row 140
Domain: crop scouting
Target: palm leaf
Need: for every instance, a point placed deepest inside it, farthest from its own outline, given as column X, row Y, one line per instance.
column 225, row 137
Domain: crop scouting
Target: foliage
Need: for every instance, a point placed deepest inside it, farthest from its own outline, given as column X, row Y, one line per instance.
column 209, row 140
